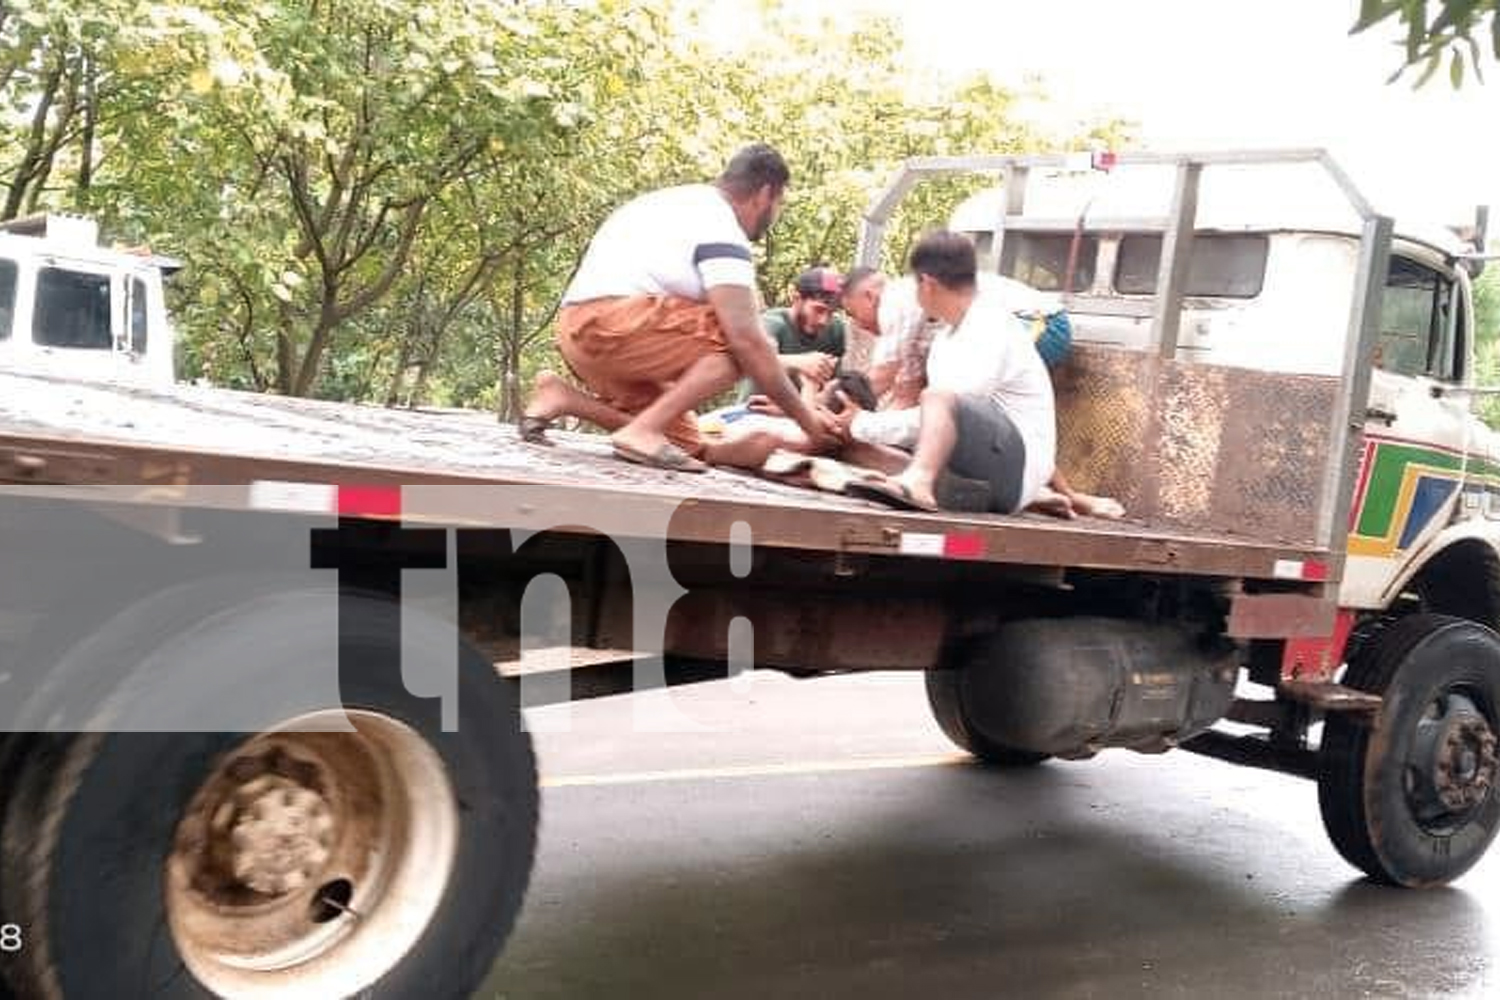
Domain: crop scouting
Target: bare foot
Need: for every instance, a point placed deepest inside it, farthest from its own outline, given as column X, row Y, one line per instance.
column 746, row 451
column 1049, row 501
column 550, row 397
column 921, row 493
column 1107, row 508
column 632, row 438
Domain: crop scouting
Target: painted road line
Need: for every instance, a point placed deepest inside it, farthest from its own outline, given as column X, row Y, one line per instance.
column 755, row 771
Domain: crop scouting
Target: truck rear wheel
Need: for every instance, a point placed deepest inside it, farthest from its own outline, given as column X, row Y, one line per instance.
column 946, row 696
column 1409, row 796
column 289, row 862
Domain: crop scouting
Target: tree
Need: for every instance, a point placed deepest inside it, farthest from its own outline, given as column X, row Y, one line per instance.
column 71, row 73
column 1455, row 29
column 385, row 199
column 1487, row 339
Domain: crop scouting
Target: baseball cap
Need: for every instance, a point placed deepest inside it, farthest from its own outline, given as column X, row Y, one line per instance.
column 820, row 282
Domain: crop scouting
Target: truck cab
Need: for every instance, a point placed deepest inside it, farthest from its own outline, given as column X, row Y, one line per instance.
column 1271, row 274
column 74, row 308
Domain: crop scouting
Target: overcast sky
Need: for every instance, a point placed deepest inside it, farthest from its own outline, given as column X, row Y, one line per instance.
column 1199, row 74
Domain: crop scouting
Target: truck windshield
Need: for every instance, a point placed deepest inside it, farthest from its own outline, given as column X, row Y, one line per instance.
column 7, row 296
column 1041, row 259
column 1223, row 265
column 72, row 310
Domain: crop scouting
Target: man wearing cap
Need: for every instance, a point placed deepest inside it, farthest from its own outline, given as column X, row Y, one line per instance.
column 809, row 334
column 661, row 316
column 811, row 324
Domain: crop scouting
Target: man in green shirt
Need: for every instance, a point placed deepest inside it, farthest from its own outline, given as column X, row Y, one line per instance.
column 811, row 323
column 809, row 333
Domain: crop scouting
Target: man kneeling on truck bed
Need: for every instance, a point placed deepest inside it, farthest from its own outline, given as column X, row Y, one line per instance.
column 987, row 412
column 662, row 316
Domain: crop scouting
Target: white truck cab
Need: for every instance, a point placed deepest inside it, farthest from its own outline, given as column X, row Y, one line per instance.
column 69, row 306
column 1272, row 266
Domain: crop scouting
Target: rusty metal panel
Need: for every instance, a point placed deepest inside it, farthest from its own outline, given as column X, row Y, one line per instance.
column 812, row 630
column 1103, row 406
column 1197, row 447
column 1279, row 616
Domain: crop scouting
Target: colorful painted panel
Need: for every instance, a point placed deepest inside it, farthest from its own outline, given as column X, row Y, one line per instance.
column 1403, row 487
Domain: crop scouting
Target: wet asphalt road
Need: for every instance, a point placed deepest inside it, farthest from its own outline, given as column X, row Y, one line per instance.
column 820, row 839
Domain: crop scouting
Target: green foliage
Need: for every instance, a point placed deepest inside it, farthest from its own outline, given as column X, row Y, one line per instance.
column 1457, row 30
column 1487, row 346
column 384, row 199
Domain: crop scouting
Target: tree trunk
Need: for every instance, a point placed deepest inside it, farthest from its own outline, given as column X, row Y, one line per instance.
column 86, row 141
column 285, row 363
column 512, row 401
column 393, row 397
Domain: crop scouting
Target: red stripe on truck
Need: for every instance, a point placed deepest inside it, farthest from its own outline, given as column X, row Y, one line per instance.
column 369, row 501
column 963, row 546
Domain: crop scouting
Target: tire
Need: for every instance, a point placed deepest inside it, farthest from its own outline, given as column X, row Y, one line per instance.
column 946, row 697
column 97, row 823
column 1381, row 787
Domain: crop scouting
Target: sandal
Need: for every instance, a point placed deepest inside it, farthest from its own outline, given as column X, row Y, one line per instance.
column 533, row 430
column 668, row 457
column 891, row 492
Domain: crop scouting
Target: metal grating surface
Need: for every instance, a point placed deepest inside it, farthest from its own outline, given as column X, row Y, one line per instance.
column 1238, row 451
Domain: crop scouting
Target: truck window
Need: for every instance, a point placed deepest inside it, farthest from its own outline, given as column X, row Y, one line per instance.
column 1414, row 315
column 138, row 325
column 7, row 296
column 1041, row 260
column 984, row 249
column 72, row 310
column 1224, row 265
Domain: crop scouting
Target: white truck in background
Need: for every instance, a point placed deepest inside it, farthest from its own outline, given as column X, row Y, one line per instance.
column 73, row 307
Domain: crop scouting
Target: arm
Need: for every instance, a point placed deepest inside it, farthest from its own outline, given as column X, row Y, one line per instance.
column 882, row 375
column 757, row 358
column 813, row 364
column 892, row 428
column 897, row 428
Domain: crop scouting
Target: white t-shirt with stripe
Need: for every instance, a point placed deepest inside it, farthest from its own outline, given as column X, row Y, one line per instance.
column 676, row 241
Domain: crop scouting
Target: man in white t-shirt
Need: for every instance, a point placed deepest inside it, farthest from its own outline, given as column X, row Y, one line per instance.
column 662, row 316
column 904, row 332
column 987, row 412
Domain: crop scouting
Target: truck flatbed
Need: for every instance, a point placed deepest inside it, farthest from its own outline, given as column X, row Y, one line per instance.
column 184, row 443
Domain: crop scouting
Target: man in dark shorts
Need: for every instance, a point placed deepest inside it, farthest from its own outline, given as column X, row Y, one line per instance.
column 987, row 412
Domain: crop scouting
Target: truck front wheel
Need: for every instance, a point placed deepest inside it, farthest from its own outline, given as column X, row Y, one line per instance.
column 1409, row 796
column 302, row 860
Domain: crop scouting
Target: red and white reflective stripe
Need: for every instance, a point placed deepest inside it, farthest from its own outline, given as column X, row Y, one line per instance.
column 322, row 498
column 370, row 501
column 942, row 546
column 1299, row 569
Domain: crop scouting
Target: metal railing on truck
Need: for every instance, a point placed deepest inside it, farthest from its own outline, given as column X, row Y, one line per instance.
column 1313, row 417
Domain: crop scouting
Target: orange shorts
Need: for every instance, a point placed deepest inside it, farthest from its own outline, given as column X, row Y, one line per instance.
column 628, row 350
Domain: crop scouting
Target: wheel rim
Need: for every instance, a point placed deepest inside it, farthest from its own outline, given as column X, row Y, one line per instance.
column 1452, row 767
column 310, row 862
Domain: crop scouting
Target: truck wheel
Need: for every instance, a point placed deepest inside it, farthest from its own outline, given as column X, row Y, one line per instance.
column 946, row 697
column 289, row 862
column 1409, row 797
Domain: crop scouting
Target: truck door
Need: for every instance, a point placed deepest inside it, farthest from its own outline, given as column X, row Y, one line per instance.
column 1413, row 460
